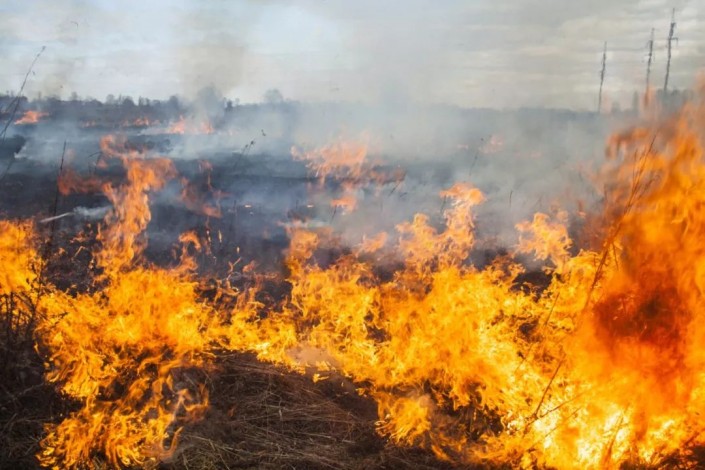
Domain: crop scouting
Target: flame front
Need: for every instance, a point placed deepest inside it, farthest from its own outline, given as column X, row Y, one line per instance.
column 603, row 365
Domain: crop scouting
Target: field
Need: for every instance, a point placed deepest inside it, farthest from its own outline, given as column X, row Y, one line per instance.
column 202, row 293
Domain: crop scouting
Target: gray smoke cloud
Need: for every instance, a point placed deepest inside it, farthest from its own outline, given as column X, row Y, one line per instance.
column 452, row 91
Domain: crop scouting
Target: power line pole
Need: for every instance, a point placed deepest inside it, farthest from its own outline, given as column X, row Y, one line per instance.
column 648, row 63
column 602, row 78
column 670, row 40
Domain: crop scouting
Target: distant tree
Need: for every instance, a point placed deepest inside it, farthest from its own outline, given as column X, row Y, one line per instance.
column 173, row 104
column 110, row 99
column 128, row 102
column 273, row 96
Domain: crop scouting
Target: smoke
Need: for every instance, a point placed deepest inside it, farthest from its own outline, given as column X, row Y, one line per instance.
column 520, row 53
column 523, row 161
column 449, row 93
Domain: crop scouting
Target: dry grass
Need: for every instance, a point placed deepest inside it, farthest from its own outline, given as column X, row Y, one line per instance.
column 261, row 417
column 264, row 417
column 27, row 402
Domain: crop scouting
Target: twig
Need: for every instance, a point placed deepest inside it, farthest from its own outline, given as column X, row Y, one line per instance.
column 15, row 104
column 635, row 192
column 443, row 204
column 47, row 249
column 545, row 323
column 54, row 209
column 608, row 450
column 395, row 187
column 543, row 397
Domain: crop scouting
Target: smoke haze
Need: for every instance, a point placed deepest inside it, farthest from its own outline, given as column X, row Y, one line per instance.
column 478, row 54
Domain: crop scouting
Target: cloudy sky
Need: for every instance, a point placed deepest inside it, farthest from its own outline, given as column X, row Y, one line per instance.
column 486, row 53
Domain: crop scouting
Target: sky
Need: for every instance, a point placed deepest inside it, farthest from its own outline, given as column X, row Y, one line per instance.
column 472, row 53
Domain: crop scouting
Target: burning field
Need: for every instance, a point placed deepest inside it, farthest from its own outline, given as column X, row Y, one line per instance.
column 578, row 346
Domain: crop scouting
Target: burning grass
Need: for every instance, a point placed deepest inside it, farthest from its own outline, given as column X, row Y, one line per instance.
column 601, row 367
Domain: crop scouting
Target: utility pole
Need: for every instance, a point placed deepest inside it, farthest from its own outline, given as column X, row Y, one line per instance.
column 602, row 78
column 670, row 40
column 648, row 63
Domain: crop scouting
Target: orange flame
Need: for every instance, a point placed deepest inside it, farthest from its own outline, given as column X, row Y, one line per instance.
column 179, row 127
column 125, row 351
column 182, row 126
column 342, row 159
column 31, row 117
column 347, row 163
column 194, row 196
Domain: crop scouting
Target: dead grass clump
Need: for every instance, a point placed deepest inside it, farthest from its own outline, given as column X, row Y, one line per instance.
column 266, row 418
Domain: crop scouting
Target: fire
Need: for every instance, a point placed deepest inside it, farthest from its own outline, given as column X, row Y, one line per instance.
column 347, row 164
column 602, row 366
column 342, row 159
column 31, row 117
column 18, row 256
column 194, row 196
column 182, row 126
column 126, row 350
column 179, row 127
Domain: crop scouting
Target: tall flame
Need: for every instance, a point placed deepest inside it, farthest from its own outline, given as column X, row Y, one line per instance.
column 126, row 351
